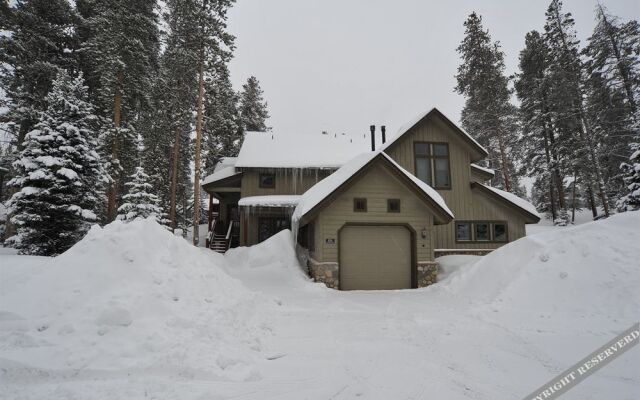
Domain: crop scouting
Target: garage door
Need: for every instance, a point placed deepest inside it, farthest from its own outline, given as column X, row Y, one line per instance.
column 375, row 257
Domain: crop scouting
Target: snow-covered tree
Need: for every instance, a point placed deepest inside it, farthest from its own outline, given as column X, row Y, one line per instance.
column 631, row 170
column 139, row 202
column 59, row 173
column 488, row 113
column 222, row 127
column 253, row 107
column 120, row 55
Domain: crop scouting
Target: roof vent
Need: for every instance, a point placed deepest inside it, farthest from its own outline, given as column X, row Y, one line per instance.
column 384, row 133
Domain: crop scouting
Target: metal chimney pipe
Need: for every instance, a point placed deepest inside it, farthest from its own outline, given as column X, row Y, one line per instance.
column 384, row 133
column 373, row 137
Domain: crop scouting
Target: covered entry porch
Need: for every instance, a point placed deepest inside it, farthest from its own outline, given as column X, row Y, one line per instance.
column 263, row 216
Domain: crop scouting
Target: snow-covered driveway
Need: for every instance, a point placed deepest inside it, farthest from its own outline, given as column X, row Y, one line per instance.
column 496, row 329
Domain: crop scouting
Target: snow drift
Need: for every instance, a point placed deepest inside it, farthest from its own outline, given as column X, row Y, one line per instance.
column 132, row 297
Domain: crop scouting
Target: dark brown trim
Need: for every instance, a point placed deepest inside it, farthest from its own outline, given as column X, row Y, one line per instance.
column 390, row 210
column 533, row 218
column 482, row 152
column 355, row 204
column 431, row 159
column 414, row 248
column 472, row 231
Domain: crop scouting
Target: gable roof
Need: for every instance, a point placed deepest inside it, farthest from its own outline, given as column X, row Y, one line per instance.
column 521, row 205
column 313, row 199
column 278, row 150
column 464, row 135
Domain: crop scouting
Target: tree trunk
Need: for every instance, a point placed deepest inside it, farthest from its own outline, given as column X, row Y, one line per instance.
column 504, row 161
column 196, row 172
column 112, row 199
column 592, row 201
column 573, row 197
column 174, row 180
column 552, row 202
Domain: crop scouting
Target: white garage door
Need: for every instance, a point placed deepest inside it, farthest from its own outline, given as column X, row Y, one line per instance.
column 375, row 257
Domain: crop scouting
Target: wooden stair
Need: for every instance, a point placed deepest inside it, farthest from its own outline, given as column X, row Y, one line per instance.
column 219, row 243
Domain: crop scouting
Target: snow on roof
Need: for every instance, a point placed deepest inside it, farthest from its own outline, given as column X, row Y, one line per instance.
column 278, row 150
column 404, row 128
column 325, row 187
column 225, row 162
column 483, row 169
column 219, row 175
column 512, row 198
column 269, row 201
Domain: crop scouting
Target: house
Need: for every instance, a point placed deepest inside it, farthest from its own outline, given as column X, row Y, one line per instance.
column 372, row 219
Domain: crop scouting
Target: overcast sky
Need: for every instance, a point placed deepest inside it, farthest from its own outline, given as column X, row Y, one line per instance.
column 341, row 65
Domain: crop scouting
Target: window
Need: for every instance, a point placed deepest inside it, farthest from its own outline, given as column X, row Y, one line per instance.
column 393, row 205
column 482, row 231
column 463, row 231
column 267, row 181
column 360, row 205
column 432, row 164
column 499, row 232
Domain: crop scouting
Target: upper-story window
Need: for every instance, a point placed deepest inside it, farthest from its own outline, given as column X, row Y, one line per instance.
column 432, row 164
column 267, row 181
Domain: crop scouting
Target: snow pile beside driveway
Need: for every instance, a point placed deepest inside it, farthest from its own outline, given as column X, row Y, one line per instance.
column 130, row 298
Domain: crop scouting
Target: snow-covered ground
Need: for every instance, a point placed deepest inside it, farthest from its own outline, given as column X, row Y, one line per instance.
column 134, row 312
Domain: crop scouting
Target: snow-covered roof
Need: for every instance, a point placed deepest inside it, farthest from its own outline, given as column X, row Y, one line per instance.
column 224, row 169
column 224, row 163
column 325, row 187
column 513, row 199
column 406, row 127
column 483, row 169
column 279, row 150
column 269, row 201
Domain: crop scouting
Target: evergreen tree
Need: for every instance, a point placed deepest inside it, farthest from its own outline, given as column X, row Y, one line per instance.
column 576, row 138
column 59, row 173
column 487, row 112
column 612, row 87
column 541, row 157
column 139, row 202
column 222, row 128
column 631, row 200
column 40, row 44
column 253, row 107
column 120, row 58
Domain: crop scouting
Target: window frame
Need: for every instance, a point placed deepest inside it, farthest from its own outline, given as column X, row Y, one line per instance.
column 472, row 232
column 266, row 174
column 355, row 204
column 390, row 210
column 475, row 231
column 431, row 159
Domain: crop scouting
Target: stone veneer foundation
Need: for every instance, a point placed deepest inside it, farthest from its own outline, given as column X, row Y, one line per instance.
column 325, row 272
column 427, row 273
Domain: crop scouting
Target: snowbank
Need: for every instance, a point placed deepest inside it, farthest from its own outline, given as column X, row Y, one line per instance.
column 131, row 297
column 591, row 269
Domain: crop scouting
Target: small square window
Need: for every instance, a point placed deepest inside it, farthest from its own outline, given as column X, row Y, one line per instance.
column 393, row 205
column 360, row 205
column 482, row 231
column 463, row 231
column 267, row 181
column 500, row 232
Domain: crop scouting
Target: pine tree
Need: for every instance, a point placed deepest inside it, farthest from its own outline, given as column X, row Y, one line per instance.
column 253, row 107
column 564, row 79
column 139, row 202
column 541, row 156
column 612, row 86
column 487, row 112
column 222, row 128
column 120, row 58
column 60, row 173
column 631, row 170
